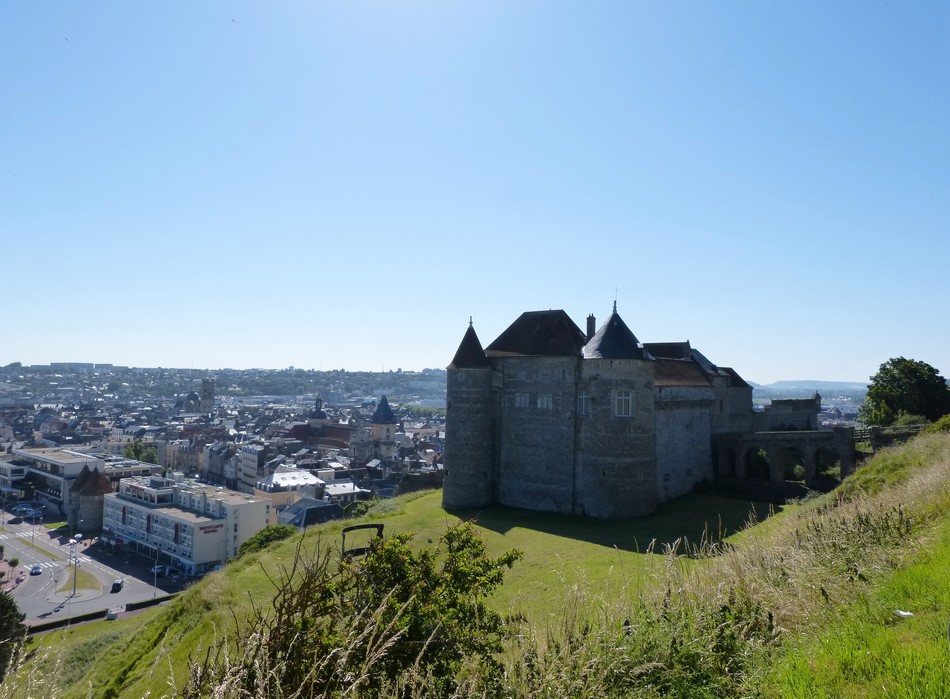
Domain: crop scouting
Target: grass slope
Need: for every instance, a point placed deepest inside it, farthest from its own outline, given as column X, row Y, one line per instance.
column 559, row 553
column 869, row 649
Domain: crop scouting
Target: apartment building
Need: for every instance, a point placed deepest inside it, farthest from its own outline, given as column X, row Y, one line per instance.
column 190, row 526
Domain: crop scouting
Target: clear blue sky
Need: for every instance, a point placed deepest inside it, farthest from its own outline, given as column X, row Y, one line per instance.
column 341, row 185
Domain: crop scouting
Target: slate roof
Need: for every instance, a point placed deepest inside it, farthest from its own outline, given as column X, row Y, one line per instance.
column 383, row 414
column 91, row 482
column 470, row 354
column 735, row 380
column 679, row 372
column 615, row 340
column 539, row 334
column 668, row 350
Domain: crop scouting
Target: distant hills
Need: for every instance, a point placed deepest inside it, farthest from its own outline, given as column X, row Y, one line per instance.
column 815, row 384
column 806, row 388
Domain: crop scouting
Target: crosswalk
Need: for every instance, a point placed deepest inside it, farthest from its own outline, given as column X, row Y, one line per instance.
column 63, row 563
column 47, row 564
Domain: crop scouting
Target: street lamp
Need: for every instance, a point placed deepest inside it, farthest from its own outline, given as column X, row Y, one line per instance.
column 73, row 543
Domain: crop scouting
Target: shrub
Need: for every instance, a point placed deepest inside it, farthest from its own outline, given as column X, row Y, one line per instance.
column 396, row 617
column 265, row 537
column 941, row 425
column 12, row 633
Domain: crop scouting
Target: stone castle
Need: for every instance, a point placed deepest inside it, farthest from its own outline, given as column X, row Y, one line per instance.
column 548, row 417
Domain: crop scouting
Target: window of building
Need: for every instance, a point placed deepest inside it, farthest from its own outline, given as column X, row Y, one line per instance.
column 545, row 401
column 583, row 403
column 623, row 403
column 522, row 400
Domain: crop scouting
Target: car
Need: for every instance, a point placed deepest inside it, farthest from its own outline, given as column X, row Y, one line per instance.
column 157, row 570
column 117, row 584
column 15, row 520
column 36, row 569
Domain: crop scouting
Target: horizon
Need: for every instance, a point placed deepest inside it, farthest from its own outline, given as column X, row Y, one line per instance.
column 106, row 365
column 316, row 185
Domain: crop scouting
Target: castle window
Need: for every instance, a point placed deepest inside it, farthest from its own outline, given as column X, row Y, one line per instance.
column 583, row 403
column 623, row 404
column 545, row 401
column 522, row 400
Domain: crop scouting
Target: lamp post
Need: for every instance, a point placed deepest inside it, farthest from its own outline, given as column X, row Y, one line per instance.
column 73, row 544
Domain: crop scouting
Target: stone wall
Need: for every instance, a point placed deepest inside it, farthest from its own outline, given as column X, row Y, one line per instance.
column 536, row 433
column 617, row 454
column 469, row 439
column 684, row 439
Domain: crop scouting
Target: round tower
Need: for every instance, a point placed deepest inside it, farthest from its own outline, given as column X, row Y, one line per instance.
column 469, row 432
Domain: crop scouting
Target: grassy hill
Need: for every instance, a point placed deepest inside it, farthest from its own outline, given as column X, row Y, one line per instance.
column 787, row 607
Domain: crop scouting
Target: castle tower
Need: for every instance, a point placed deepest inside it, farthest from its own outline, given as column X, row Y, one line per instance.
column 207, row 396
column 616, row 440
column 469, row 431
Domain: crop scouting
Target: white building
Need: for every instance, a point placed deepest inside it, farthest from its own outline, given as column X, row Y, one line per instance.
column 191, row 526
column 344, row 492
column 53, row 471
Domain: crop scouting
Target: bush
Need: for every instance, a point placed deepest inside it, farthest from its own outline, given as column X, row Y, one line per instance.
column 941, row 425
column 905, row 419
column 12, row 633
column 267, row 536
column 354, row 628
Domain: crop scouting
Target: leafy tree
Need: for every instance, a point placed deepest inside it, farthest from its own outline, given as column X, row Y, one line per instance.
column 266, row 536
column 137, row 450
column 905, row 386
column 434, row 598
column 399, row 617
column 12, row 633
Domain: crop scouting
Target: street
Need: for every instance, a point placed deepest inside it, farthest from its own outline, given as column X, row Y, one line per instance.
column 40, row 596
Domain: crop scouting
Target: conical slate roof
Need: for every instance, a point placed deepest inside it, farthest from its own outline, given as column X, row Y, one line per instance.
column 470, row 354
column 384, row 414
column 615, row 340
column 91, row 482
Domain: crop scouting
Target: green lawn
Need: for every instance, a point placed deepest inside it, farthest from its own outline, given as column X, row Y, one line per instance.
column 84, row 580
column 560, row 551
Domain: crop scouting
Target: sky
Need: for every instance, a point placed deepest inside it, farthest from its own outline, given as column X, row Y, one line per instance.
column 343, row 185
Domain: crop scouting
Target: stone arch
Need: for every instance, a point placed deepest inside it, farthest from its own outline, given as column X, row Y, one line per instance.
column 755, row 464
column 793, row 461
column 726, row 466
column 827, row 464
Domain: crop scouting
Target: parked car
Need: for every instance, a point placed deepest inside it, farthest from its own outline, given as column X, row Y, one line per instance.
column 117, row 584
column 36, row 569
column 159, row 570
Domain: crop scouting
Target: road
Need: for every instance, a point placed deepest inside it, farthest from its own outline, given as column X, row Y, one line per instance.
column 38, row 597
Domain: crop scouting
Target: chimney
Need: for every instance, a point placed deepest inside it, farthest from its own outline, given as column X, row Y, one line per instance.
column 591, row 327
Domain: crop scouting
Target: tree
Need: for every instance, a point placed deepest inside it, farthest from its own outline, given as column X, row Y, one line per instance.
column 137, row 450
column 905, row 386
column 12, row 633
column 399, row 617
